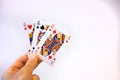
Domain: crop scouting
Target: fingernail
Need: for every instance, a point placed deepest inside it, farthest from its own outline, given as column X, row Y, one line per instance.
column 32, row 56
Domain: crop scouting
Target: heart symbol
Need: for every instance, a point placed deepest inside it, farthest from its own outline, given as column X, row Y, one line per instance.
column 29, row 26
column 54, row 31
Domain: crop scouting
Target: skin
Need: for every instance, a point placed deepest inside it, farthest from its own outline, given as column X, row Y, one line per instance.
column 23, row 68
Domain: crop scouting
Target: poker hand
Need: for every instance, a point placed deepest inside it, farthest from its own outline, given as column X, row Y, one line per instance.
column 23, row 68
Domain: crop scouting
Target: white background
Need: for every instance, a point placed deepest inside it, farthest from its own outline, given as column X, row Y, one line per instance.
column 92, row 53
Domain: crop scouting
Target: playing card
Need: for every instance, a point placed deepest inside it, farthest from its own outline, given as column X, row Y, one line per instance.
column 39, row 31
column 30, row 30
column 43, row 28
column 56, row 37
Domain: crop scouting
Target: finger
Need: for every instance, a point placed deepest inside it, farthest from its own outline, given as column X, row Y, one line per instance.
column 32, row 63
column 35, row 77
column 19, row 63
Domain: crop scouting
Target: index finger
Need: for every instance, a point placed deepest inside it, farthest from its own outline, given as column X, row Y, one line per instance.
column 19, row 63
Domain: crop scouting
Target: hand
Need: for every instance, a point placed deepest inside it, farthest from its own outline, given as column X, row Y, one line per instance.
column 23, row 68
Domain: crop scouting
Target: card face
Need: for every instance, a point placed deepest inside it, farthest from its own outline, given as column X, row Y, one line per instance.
column 41, row 33
column 52, row 44
column 46, row 40
column 30, row 30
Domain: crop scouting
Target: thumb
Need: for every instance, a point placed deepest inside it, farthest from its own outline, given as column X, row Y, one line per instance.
column 35, row 77
column 32, row 62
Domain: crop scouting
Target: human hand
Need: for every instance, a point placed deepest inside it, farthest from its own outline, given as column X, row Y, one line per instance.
column 23, row 68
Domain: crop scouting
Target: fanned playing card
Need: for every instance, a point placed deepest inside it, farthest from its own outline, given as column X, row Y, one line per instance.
column 35, row 33
column 46, row 40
